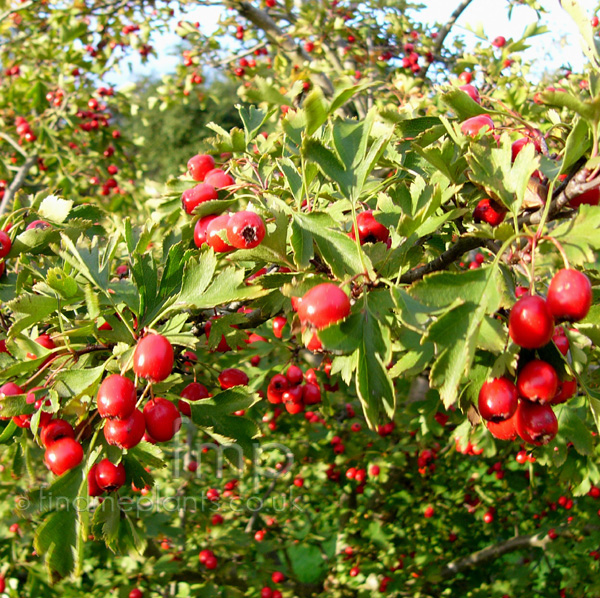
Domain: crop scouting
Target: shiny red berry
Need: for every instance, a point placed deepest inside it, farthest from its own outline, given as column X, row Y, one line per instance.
column 193, row 197
column 530, row 323
column 110, row 477
column 504, row 430
column 536, row 423
column 216, row 231
column 200, row 230
column 245, row 230
column 153, row 358
column 200, row 165
column 472, row 126
column 537, row 381
column 63, row 455
column 369, row 230
column 569, row 295
column 323, row 305
column 490, row 211
column 498, row 400
column 233, row 377
column 125, row 433
column 5, row 244
column 116, row 397
column 54, row 430
column 471, row 91
column 219, row 179
column 162, row 419
column 192, row 392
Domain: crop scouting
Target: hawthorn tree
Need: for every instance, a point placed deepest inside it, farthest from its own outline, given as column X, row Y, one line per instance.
column 349, row 351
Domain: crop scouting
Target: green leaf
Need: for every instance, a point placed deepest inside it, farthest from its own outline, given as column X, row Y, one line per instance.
column 196, row 277
column 308, row 564
column 55, row 539
column 301, row 241
column 55, row 209
column 462, row 104
column 574, row 429
column 409, row 129
column 316, row 109
column 73, row 383
column 136, row 472
column 579, row 237
column 224, row 403
column 149, row 455
column 253, row 119
column 29, row 310
column 329, row 163
column 214, row 206
column 62, row 283
column 8, row 432
column 577, row 144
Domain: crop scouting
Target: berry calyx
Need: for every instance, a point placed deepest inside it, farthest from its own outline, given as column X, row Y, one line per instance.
column 569, row 295
column 153, row 358
column 530, row 323
column 369, row 230
column 504, row 430
column 323, row 305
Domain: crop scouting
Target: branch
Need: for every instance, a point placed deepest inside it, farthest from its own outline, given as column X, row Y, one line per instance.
column 12, row 142
column 278, row 37
column 463, row 245
column 8, row 13
column 539, row 540
column 256, row 511
column 443, row 33
column 17, row 182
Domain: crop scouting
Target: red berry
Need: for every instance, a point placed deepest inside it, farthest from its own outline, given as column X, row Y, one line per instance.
column 311, row 394
column 233, row 377
column 110, row 477
column 245, row 230
column 215, row 231
column 369, row 230
column 292, row 395
column 489, row 211
column 277, row 577
column 63, row 455
column 200, row 165
column 278, row 324
column 499, row 41
column 136, row 593
column 294, row 375
column 162, row 419
column 116, row 397
column 219, row 179
column 536, row 423
column 472, row 92
column 504, row 430
column 498, row 400
column 488, row 517
column 323, row 305
column 153, row 358
column 196, row 195
column 530, row 323
column 537, row 381
column 93, row 488
column 429, row 512
column 569, row 295
column 192, row 392
column 5, row 244
column 354, row 571
column 211, row 562
column 566, row 389
column 466, row 77
column 472, row 126
column 125, row 433
column 266, row 592
column 200, row 230
column 54, row 430
column 591, row 197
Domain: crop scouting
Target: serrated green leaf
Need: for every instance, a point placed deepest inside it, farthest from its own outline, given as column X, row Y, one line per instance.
column 55, row 209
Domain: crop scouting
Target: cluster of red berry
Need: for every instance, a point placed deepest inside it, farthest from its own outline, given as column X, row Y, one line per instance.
column 224, row 232
column 524, row 408
column 290, row 390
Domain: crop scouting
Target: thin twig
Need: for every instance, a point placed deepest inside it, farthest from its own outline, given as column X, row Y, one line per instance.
column 17, row 182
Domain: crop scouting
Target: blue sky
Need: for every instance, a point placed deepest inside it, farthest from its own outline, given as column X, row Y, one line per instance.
column 553, row 49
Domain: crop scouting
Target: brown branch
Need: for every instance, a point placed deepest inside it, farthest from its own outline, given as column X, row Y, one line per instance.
column 463, row 245
column 538, row 540
column 17, row 182
column 443, row 34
